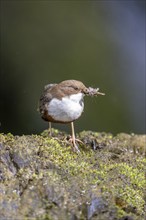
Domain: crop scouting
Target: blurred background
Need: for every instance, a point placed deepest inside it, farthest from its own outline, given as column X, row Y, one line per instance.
column 101, row 43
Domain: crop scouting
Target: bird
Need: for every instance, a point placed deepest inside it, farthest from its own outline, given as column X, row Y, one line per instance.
column 64, row 103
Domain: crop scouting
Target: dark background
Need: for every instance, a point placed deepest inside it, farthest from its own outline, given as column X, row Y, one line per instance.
column 101, row 43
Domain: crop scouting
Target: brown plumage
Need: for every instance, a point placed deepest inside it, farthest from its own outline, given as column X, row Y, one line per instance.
column 63, row 102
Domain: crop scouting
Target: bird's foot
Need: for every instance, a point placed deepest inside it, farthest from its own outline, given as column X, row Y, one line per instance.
column 73, row 141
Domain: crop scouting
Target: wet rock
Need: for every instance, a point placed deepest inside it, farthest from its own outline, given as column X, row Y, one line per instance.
column 126, row 218
column 6, row 163
column 19, row 161
column 98, row 205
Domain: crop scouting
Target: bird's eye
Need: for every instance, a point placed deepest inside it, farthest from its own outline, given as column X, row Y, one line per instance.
column 76, row 88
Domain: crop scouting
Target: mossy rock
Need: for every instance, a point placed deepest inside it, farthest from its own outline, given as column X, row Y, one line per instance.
column 42, row 178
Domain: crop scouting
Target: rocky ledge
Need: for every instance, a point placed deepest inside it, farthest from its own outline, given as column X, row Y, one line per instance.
column 41, row 178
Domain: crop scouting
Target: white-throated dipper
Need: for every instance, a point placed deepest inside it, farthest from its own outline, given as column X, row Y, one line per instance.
column 63, row 103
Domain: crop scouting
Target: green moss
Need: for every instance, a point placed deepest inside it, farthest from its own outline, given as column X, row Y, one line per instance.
column 131, row 179
column 113, row 171
column 4, row 138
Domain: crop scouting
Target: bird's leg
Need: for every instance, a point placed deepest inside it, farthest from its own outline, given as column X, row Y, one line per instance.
column 73, row 138
column 50, row 129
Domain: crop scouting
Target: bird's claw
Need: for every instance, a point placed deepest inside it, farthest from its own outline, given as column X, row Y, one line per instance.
column 75, row 147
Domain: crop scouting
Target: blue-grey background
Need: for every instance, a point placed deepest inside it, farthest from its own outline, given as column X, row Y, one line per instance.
column 101, row 43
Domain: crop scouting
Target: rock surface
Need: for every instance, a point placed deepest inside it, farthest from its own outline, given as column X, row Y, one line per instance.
column 42, row 178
